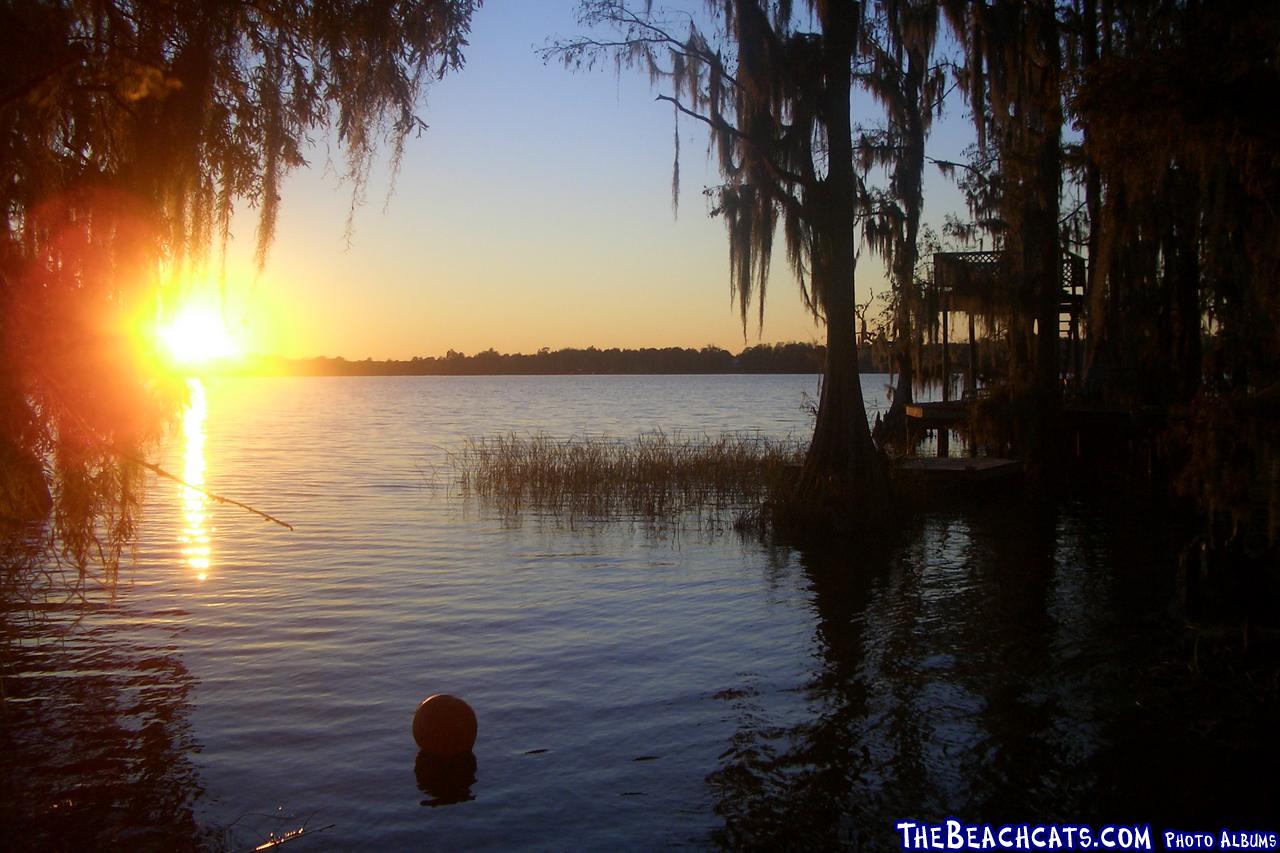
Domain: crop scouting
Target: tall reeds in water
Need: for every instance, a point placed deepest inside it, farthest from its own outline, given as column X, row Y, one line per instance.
column 653, row 477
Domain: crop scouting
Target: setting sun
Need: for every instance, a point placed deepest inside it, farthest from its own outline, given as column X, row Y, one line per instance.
column 197, row 335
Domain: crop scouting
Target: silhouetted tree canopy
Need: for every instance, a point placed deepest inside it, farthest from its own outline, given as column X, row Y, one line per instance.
column 1014, row 74
column 899, row 45
column 772, row 81
column 1139, row 134
column 1173, row 167
column 129, row 131
column 1178, row 106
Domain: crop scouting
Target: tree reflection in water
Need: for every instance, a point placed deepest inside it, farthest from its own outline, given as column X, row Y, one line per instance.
column 96, row 736
column 1004, row 664
column 94, row 731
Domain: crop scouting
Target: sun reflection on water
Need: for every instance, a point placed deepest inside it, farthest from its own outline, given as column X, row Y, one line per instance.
column 195, row 532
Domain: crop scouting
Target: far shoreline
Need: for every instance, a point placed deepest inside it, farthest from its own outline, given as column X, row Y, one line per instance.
column 762, row 359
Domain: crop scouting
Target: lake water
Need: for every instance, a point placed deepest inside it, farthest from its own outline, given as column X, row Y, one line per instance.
column 634, row 688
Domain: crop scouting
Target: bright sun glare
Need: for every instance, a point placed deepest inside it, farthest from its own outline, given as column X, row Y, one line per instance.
column 197, row 335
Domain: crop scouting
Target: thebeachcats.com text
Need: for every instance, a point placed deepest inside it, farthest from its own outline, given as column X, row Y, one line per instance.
column 954, row 834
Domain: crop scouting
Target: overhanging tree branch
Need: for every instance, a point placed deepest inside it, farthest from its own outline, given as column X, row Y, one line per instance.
column 722, row 126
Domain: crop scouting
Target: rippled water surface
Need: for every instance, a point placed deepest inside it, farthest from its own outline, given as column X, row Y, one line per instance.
column 634, row 688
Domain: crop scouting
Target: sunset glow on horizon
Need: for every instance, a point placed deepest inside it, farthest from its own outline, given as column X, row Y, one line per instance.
column 567, row 240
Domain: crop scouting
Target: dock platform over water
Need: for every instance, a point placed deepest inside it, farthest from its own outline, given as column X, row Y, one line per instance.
column 946, row 477
column 952, row 468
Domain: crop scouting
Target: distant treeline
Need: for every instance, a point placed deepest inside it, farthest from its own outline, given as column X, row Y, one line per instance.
column 762, row 358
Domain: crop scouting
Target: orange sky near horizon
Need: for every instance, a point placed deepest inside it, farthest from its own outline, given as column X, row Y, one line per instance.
column 536, row 212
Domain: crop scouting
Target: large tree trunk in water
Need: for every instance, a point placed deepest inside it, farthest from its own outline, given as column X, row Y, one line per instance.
column 1041, row 239
column 1041, row 260
column 894, row 425
column 892, row 431
column 843, row 483
column 1093, row 205
column 843, row 480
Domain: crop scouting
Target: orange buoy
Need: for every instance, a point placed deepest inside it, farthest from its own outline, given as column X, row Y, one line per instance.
column 444, row 725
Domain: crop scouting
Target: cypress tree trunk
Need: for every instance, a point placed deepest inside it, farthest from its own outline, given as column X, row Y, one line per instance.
column 1041, row 250
column 893, row 428
column 1093, row 204
column 909, row 175
column 1042, row 238
column 843, row 476
column 1182, row 265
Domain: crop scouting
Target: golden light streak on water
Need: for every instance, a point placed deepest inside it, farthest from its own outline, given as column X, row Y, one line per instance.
column 195, row 532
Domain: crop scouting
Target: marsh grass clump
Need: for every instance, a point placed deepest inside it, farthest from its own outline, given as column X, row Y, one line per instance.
column 653, row 477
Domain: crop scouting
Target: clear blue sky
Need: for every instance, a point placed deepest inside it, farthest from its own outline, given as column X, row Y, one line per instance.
column 536, row 212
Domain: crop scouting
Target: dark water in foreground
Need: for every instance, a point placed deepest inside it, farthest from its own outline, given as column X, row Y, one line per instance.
column 636, row 689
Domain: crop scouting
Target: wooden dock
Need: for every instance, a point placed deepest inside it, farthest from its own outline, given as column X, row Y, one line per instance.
column 1092, row 424
column 939, row 415
column 942, row 417
column 957, row 469
column 949, row 477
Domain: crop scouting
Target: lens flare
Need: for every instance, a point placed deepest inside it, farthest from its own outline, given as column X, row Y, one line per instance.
column 197, row 335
